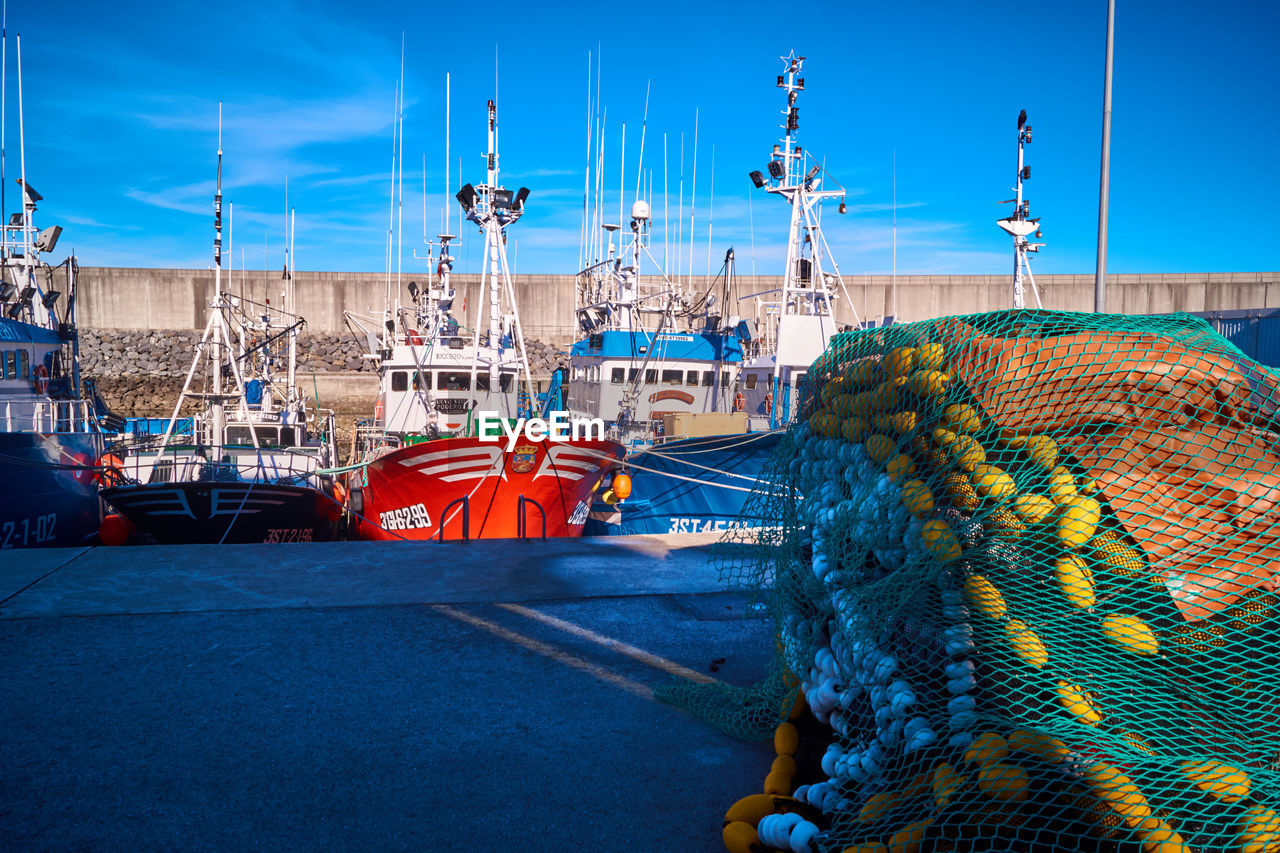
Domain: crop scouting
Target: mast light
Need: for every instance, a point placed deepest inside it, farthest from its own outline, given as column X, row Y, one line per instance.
column 467, row 197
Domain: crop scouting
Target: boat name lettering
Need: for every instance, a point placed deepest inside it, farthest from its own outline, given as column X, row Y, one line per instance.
column 675, row 338
column 558, row 427
column 405, row 518
column 671, row 394
column 28, row 531
column 288, row 534
column 711, row 525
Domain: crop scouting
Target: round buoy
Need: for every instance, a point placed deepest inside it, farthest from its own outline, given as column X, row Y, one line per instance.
column 622, row 486
column 115, row 530
column 111, row 473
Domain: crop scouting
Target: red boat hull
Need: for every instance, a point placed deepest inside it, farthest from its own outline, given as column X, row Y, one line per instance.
column 414, row 491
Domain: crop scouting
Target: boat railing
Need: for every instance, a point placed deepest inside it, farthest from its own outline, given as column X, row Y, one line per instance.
column 220, row 464
column 522, row 524
column 465, row 500
column 369, row 435
column 42, row 415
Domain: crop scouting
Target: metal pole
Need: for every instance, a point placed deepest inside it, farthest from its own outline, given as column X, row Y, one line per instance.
column 1100, row 277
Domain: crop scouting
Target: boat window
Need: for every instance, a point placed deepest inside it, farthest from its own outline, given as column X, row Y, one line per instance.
column 651, row 376
column 692, row 378
column 632, row 374
column 751, row 381
column 618, row 376
column 288, row 437
column 724, row 379
column 708, row 379
column 239, row 435
column 24, row 364
column 455, row 381
column 672, row 377
column 419, row 377
column 399, row 381
column 11, row 365
column 504, row 382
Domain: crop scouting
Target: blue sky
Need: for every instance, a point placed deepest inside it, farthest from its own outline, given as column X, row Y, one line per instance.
column 121, row 126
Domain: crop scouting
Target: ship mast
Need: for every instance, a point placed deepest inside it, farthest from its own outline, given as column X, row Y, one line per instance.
column 493, row 208
column 1019, row 225
column 216, row 407
column 805, row 316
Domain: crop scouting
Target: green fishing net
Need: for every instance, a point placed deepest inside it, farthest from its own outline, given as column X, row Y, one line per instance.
column 1023, row 575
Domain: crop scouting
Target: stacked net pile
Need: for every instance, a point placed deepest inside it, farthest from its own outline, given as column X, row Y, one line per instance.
column 1023, row 594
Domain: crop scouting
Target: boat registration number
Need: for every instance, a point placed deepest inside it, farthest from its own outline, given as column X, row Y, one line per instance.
column 288, row 534
column 28, row 531
column 405, row 518
column 701, row 525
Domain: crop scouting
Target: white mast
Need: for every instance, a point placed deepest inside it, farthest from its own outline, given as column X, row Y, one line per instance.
column 586, row 178
column 27, row 201
column 666, row 213
column 1019, row 225
column 292, row 309
column 493, row 208
column 399, row 181
column 805, row 320
column 644, row 126
column 693, row 189
column 445, row 224
column 711, row 208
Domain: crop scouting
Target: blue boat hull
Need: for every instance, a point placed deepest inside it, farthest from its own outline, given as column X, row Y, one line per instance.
column 662, row 501
column 46, row 501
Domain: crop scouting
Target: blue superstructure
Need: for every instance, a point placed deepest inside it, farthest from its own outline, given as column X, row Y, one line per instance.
column 666, row 347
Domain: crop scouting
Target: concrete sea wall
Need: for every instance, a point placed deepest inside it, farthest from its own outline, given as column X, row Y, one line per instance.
column 126, row 298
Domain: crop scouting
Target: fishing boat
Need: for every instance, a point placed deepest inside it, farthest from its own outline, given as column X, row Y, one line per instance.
column 659, row 365
column 456, row 448
column 250, row 469
column 50, row 438
column 692, row 469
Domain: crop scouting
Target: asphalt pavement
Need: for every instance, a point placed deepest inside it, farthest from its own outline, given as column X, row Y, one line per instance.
column 369, row 696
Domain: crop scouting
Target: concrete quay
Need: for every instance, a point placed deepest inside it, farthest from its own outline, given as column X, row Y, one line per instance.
column 460, row 696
